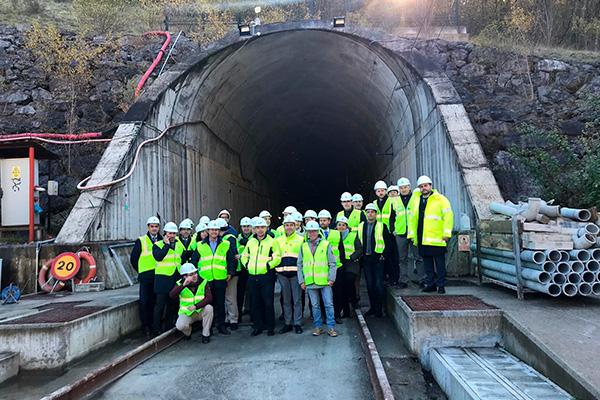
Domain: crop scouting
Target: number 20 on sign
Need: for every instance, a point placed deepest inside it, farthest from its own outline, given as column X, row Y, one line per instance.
column 65, row 266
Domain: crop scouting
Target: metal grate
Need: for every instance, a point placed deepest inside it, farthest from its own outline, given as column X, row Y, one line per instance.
column 56, row 313
column 445, row 303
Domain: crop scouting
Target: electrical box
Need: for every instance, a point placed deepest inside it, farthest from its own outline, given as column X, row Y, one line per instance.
column 52, row 188
column 14, row 180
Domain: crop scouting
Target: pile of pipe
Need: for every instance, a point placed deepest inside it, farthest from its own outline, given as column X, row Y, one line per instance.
column 554, row 272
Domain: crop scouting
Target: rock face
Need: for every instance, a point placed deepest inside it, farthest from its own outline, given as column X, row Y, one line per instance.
column 500, row 91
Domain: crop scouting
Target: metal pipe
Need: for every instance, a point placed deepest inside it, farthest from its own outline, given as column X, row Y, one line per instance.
column 577, row 266
column 531, row 256
column 547, row 266
column 596, row 288
column 509, row 269
column 596, row 252
column 551, row 211
column 553, row 255
column 31, row 193
column 504, row 209
column 569, row 289
column 574, row 277
column 584, row 242
column 584, row 289
column 559, row 279
column 532, row 210
column 593, row 229
column 552, row 289
column 564, row 256
column 592, row 265
column 576, row 214
column 580, row 255
column 588, row 276
column 563, row 267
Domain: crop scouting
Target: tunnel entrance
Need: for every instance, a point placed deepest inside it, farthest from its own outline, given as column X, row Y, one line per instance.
column 295, row 116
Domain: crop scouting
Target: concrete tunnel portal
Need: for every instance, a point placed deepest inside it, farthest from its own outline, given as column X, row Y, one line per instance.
column 295, row 116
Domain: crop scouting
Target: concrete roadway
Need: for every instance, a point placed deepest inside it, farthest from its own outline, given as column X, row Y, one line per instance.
column 239, row 366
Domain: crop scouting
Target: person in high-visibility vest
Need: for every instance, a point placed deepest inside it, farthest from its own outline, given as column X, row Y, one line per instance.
column 226, row 216
column 404, row 245
column 287, row 276
column 354, row 216
column 383, row 204
column 167, row 253
column 264, row 214
column 334, row 238
column 194, row 297
column 299, row 220
column 372, row 236
column 142, row 261
column 186, row 239
column 430, row 224
column 289, row 210
column 357, row 204
column 231, row 307
column 216, row 263
column 260, row 257
column 201, row 233
column 243, row 300
column 316, row 275
column 349, row 250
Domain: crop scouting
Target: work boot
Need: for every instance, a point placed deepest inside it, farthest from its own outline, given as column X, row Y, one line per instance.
column 233, row 326
column 331, row 332
column 256, row 332
column 270, row 332
column 317, row 331
column 187, row 337
column 205, row 339
column 338, row 320
column 298, row 329
column 285, row 329
column 441, row 290
column 429, row 289
column 223, row 330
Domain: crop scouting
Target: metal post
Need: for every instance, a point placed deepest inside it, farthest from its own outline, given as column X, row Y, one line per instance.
column 516, row 225
column 478, row 250
column 31, row 192
column 456, row 13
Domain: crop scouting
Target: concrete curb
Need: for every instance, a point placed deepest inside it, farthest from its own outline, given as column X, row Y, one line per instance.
column 108, row 373
column 379, row 379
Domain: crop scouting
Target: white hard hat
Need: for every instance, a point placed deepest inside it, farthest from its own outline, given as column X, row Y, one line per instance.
column 204, row 220
column 342, row 219
column 185, row 224
column 171, row 227
column 214, row 224
column 297, row 216
column 380, row 185
column 403, row 182
column 393, row 187
column 264, row 213
column 221, row 222
column 289, row 210
column 259, row 221
column 201, row 227
column 153, row 220
column 224, row 212
column 312, row 226
column 289, row 219
column 310, row 214
column 423, row 179
column 324, row 214
column 187, row 268
column 346, row 197
column 370, row 206
column 245, row 222
column 357, row 197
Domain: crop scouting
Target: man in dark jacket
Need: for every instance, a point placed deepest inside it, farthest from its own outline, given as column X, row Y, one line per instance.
column 350, row 250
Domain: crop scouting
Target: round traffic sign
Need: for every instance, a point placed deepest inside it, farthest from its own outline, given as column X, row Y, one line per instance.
column 65, row 266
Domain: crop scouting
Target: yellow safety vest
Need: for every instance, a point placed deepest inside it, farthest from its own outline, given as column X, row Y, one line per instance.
column 188, row 298
column 315, row 268
column 384, row 214
column 256, row 255
column 146, row 262
column 172, row 261
column 379, row 242
column 289, row 246
column 353, row 220
column 334, row 238
column 401, row 222
column 213, row 266
column 438, row 219
column 349, row 246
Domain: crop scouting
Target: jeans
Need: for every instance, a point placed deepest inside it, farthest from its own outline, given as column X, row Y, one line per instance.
column 291, row 293
column 374, row 269
column 406, row 246
column 326, row 293
column 435, row 269
column 147, row 300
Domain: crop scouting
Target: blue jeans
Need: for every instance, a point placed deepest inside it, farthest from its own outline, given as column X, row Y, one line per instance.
column 327, row 294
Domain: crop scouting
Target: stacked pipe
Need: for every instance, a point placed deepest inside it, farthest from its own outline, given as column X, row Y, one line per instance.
column 561, row 253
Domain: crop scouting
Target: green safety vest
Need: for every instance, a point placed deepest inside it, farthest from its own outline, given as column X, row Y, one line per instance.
column 438, row 219
column 315, row 267
column 349, row 247
column 191, row 246
column 334, row 238
column 172, row 261
column 384, row 214
column 146, row 262
column 379, row 242
column 256, row 255
column 240, row 248
column 289, row 246
column 353, row 220
column 213, row 266
column 401, row 222
column 188, row 298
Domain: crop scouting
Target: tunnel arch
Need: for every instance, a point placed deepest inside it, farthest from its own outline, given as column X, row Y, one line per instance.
column 294, row 116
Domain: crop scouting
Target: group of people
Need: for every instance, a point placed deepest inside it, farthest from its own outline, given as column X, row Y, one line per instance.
column 218, row 273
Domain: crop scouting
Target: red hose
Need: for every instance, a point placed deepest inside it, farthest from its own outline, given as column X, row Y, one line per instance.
column 156, row 61
column 62, row 136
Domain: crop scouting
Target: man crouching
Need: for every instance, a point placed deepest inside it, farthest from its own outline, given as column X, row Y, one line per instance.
column 194, row 302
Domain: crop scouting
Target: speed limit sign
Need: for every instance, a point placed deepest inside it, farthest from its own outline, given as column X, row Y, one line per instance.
column 65, row 266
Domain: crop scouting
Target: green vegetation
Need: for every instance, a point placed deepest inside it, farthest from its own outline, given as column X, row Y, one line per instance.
column 567, row 170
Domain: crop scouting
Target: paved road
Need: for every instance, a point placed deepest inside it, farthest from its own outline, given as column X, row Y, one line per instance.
column 232, row 367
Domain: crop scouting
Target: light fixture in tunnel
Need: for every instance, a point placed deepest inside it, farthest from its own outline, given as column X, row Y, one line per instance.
column 339, row 22
column 244, row 30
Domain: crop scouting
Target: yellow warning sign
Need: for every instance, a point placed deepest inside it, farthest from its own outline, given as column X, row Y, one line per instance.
column 65, row 266
column 16, row 172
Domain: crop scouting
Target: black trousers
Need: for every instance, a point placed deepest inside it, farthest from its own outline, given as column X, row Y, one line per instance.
column 241, row 291
column 146, row 303
column 373, row 267
column 344, row 292
column 262, row 296
column 217, row 289
column 392, row 262
column 164, row 306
